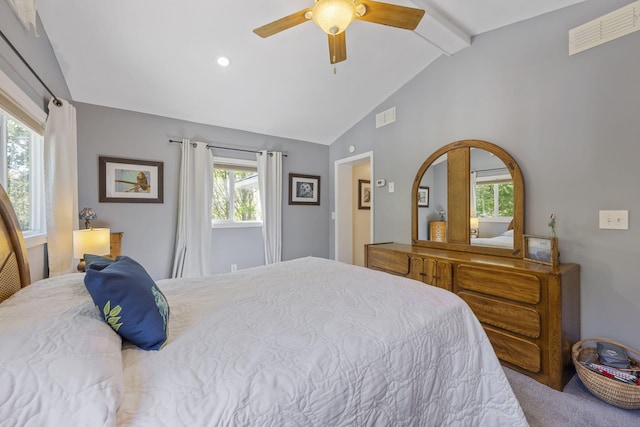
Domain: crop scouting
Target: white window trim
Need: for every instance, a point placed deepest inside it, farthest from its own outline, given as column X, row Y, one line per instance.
column 231, row 224
column 234, row 224
column 33, row 239
column 37, row 236
column 20, row 98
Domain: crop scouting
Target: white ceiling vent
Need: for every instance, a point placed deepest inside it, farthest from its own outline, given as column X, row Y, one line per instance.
column 386, row 117
column 606, row 28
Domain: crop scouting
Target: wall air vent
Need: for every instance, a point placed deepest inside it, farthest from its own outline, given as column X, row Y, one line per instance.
column 386, row 117
column 609, row 27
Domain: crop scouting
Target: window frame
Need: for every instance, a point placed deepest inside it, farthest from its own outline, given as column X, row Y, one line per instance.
column 495, row 181
column 17, row 104
column 240, row 163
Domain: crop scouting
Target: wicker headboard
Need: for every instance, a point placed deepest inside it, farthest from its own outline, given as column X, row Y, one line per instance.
column 14, row 264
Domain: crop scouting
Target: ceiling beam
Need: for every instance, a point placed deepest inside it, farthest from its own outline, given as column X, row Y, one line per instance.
column 438, row 30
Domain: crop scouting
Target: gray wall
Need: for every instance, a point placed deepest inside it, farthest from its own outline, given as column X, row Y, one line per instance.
column 570, row 122
column 149, row 228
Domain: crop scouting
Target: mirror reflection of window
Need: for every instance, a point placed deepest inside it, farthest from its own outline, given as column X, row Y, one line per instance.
column 492, row 200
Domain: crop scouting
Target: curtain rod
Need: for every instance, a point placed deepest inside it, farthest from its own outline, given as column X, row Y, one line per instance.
column 488, row 170
column 56, row 101
column 225, row 148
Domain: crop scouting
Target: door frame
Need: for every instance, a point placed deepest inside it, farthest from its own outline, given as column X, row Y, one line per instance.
column 344, row 204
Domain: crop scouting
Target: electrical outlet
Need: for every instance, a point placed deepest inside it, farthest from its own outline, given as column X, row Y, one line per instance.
column 234, row 267
column 614, row 220
column 392, row 187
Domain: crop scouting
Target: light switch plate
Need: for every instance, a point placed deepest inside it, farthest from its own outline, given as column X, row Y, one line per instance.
column 614, row 220
column 392, row 187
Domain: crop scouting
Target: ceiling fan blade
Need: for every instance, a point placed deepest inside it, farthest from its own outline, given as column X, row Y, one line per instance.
column 337, row 48
column 283, row 23
column 391, row 15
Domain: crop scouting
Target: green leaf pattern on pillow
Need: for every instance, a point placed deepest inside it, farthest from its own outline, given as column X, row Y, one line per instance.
column 161, row 303
column 111, row 315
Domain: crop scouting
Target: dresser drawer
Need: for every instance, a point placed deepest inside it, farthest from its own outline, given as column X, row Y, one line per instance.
column 511, row 317
column 504, row 284
column 389, row 261
column 518, row 351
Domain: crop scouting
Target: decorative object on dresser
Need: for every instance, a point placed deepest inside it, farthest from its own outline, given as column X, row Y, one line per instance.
column 530, row 311
column 304, row 189
column 364, row 194
column 94, row 241
column 129, row 180
column 541, row 249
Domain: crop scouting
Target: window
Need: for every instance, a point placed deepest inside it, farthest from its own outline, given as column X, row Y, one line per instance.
column 236, row 198
column 494, row 198
column 21, row 156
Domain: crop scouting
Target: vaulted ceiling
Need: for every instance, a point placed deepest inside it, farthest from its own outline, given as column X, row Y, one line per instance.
column 160, row 57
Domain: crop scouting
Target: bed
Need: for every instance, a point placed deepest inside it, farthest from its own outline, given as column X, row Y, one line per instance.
column 306, row 342
column 504, row 240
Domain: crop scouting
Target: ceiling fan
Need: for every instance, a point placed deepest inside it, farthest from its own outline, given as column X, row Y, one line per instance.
column 334, row 16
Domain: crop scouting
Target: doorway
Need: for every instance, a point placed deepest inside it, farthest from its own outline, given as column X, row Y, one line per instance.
column 353, row 226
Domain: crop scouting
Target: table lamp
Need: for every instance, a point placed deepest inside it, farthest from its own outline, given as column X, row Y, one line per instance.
column 94, row 241
column 87, row 215
column 474, row 225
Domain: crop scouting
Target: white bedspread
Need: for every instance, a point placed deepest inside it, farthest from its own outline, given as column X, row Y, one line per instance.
column 312, row 342
column 60, row 364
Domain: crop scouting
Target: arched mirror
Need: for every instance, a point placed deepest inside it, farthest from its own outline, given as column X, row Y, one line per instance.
column 469, row 196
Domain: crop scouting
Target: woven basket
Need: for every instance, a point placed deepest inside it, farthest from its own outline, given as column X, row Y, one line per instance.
column 616, row 393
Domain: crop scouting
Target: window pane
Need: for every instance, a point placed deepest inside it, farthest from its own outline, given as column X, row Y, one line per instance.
column 484, row 200
column 505, row 197
column 247, row 197
column 221, row 185
column 19, row 171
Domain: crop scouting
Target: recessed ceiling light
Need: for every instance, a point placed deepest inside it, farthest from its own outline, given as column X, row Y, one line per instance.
column 223, row 61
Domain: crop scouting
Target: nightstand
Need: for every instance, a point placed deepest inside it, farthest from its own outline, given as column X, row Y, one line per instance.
column 116, row 245
column 438, row 231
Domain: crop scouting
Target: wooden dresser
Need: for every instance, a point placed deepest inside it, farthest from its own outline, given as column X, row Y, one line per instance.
column 530, row 311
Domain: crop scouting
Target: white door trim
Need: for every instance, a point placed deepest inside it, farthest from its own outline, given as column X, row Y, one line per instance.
column 344, row 204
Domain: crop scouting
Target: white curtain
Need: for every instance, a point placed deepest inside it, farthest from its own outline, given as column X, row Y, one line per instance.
column 26, row 12
column 270, row 184
column 61, row 185
column 472, row 191
column 193, row 252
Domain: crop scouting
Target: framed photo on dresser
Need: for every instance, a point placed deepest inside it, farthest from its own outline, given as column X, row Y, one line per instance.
column 541, row 249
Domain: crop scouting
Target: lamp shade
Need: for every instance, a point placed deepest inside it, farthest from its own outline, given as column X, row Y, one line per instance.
column 474, row 223
column 94, row 241
column 334, row 16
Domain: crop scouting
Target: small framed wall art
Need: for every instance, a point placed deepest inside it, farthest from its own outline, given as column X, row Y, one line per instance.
column 423, row 197
column 364, row 194
column 541, row 249
column 304, row 189
column 129, row 181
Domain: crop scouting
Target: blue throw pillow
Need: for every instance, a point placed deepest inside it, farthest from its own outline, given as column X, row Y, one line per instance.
column 129, row 301
column 96, row 262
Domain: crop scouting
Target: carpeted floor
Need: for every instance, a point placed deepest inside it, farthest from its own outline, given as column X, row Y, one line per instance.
column 575, row 406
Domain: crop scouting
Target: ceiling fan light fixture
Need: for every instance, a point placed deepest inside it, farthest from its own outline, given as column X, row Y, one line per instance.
column 333, row 16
